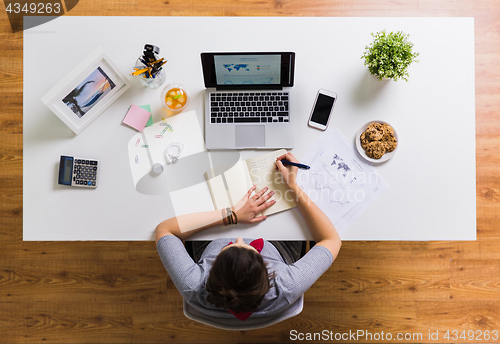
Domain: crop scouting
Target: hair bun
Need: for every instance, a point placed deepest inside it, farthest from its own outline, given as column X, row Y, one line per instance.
column 230, row 295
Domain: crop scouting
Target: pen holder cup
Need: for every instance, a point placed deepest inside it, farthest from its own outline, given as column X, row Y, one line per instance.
column 175, row 97
column 152, row 82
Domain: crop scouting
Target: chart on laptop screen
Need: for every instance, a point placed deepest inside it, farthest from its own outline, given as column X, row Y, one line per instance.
column 248, row 69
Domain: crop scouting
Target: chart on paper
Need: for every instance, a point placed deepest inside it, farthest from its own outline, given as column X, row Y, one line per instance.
column 340, row 183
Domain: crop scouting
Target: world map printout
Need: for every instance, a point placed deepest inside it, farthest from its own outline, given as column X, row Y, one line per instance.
column 340, row 182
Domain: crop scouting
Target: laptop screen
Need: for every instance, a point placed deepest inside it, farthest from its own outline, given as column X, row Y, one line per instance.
column 248, row 70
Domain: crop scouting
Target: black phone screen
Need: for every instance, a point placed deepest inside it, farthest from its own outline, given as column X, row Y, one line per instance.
column 322, row 109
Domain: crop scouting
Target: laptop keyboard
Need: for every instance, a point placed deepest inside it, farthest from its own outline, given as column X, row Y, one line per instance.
column 249, row 107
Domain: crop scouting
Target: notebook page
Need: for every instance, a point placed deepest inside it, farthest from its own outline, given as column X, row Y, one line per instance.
column 228, row 184
column 263, row 173
column 238, row 181
column 218, row 192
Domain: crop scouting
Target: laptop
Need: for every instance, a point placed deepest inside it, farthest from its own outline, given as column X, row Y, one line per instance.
column 247, row 100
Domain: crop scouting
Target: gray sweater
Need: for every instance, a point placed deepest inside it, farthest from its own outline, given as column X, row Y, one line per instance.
column 290, row 283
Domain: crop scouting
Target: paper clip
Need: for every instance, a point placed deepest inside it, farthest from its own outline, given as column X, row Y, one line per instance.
column 136, row 159
column 144, row 146
column 164, row 120
column 163, row 131
column 169, row 128
column 159, row 136
column 138, row 141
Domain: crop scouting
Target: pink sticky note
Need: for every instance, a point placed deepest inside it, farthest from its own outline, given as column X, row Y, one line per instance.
column 136, row 117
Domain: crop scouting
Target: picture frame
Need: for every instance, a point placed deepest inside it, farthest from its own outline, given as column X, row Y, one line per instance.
column 89, row 89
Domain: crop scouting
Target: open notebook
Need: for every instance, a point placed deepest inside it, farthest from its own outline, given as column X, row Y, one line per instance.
column 228, row 184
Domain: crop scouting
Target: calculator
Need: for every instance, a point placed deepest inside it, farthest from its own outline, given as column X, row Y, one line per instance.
column 78, row 172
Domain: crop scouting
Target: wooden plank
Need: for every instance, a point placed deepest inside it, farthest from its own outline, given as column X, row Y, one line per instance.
column 275, row 7
column 475, row 280
column 487, row 227
column 11, row 212
column 77, row 250
column 65, row 322
column 11, row 71
column 81, row 280
column 483, row 248
column 459, row 316
column 143, row 250
column 480, row 249
column 398, row 250
column 467, row 6
column 384, row 280
column 366, row 315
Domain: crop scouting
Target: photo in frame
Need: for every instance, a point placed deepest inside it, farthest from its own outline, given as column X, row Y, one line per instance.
column 80, row 97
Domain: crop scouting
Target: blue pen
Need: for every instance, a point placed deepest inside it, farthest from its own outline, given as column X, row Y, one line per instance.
column 301, row 166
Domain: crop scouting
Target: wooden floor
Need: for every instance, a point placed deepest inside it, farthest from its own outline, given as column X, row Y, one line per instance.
column 107, row 292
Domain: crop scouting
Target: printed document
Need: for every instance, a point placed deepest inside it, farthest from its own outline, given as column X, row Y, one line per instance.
column 340, row 182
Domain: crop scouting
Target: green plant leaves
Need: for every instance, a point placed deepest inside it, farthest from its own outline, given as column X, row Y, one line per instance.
column 389, row 55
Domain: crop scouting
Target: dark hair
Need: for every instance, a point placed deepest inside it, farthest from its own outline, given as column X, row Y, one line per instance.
column 238, row 280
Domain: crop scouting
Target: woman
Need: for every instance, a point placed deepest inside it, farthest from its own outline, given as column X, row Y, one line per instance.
column 245, row 277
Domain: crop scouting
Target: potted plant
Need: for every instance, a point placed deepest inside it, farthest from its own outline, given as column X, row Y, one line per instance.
column 389, row 55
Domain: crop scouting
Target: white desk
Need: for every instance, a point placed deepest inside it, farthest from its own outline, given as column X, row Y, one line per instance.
column 432, row 177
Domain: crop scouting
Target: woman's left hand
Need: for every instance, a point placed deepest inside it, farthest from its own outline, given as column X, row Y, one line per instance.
column 247, row 209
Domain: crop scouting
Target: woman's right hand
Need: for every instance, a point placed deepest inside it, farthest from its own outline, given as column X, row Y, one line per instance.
column 289, row 172
column 320, row 226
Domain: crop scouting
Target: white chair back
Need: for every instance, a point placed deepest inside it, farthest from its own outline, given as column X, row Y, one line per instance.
column 235, row 324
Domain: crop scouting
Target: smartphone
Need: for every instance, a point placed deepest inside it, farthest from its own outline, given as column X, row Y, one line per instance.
column 322, row 109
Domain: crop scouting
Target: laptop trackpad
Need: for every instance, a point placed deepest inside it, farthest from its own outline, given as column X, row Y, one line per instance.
column 250, row 136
